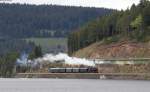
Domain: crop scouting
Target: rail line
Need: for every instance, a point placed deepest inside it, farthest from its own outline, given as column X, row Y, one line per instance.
column 85, row 74
column 133, row 76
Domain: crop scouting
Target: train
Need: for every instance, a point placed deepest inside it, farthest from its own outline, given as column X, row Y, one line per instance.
column 73, row 70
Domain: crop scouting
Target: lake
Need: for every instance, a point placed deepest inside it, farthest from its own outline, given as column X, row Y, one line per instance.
column 73, row 85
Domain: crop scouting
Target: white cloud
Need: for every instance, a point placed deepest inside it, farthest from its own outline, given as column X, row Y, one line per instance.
column 115, row 4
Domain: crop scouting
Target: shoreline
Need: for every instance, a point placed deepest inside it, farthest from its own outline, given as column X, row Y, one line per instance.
column 103, row 76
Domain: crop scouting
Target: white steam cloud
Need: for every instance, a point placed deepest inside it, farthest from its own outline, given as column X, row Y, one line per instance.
column 61, row 57
column 66, row 59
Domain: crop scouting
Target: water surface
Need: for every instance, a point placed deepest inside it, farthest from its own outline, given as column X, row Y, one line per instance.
column 72, row 85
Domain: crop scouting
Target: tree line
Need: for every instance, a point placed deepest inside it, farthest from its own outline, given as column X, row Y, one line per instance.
column 133, row 23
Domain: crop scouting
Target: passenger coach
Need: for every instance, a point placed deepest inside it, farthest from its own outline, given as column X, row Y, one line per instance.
column 73, row 70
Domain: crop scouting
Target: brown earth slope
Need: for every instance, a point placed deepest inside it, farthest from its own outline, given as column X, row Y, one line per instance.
column 124, row 49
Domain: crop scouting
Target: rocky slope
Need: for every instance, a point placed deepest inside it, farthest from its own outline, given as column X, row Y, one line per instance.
column 122, row 49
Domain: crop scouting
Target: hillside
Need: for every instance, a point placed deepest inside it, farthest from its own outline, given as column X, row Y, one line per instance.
column 22, row 21
column 121, row 34
column 122, row 49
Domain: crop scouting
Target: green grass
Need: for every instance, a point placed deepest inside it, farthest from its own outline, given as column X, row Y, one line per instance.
column 110, row 40
column 47, row 43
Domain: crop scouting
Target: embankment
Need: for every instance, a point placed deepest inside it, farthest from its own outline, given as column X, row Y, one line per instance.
column 123, row 49
column 135, row 76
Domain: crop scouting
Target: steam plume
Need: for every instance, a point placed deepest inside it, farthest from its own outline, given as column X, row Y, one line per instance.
column 62, row 57
column 66, row 59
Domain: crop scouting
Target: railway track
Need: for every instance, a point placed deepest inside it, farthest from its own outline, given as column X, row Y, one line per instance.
column 87, row 73
column 139, row 76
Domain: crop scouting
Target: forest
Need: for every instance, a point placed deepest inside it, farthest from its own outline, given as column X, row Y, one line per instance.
column 132, row 24
column 23, row 21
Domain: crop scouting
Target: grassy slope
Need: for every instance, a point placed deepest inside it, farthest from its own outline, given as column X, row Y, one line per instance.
column 47, row 43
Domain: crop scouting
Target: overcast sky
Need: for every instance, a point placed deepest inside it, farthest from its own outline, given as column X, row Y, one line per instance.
column 115, row 4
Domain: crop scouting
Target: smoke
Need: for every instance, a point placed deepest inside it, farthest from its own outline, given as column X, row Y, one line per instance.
column 23, row 60
column 61, row 57
column 65, row 59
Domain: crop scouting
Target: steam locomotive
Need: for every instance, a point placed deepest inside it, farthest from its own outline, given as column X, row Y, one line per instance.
column 74, row 70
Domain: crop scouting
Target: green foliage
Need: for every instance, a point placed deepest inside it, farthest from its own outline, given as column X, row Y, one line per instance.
column 32, row 55
column 36, row 53
column 137, row 35
column 137, row 22
column 112, row 39
column 7, row 64
column 132, row 24
column 146, row 15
